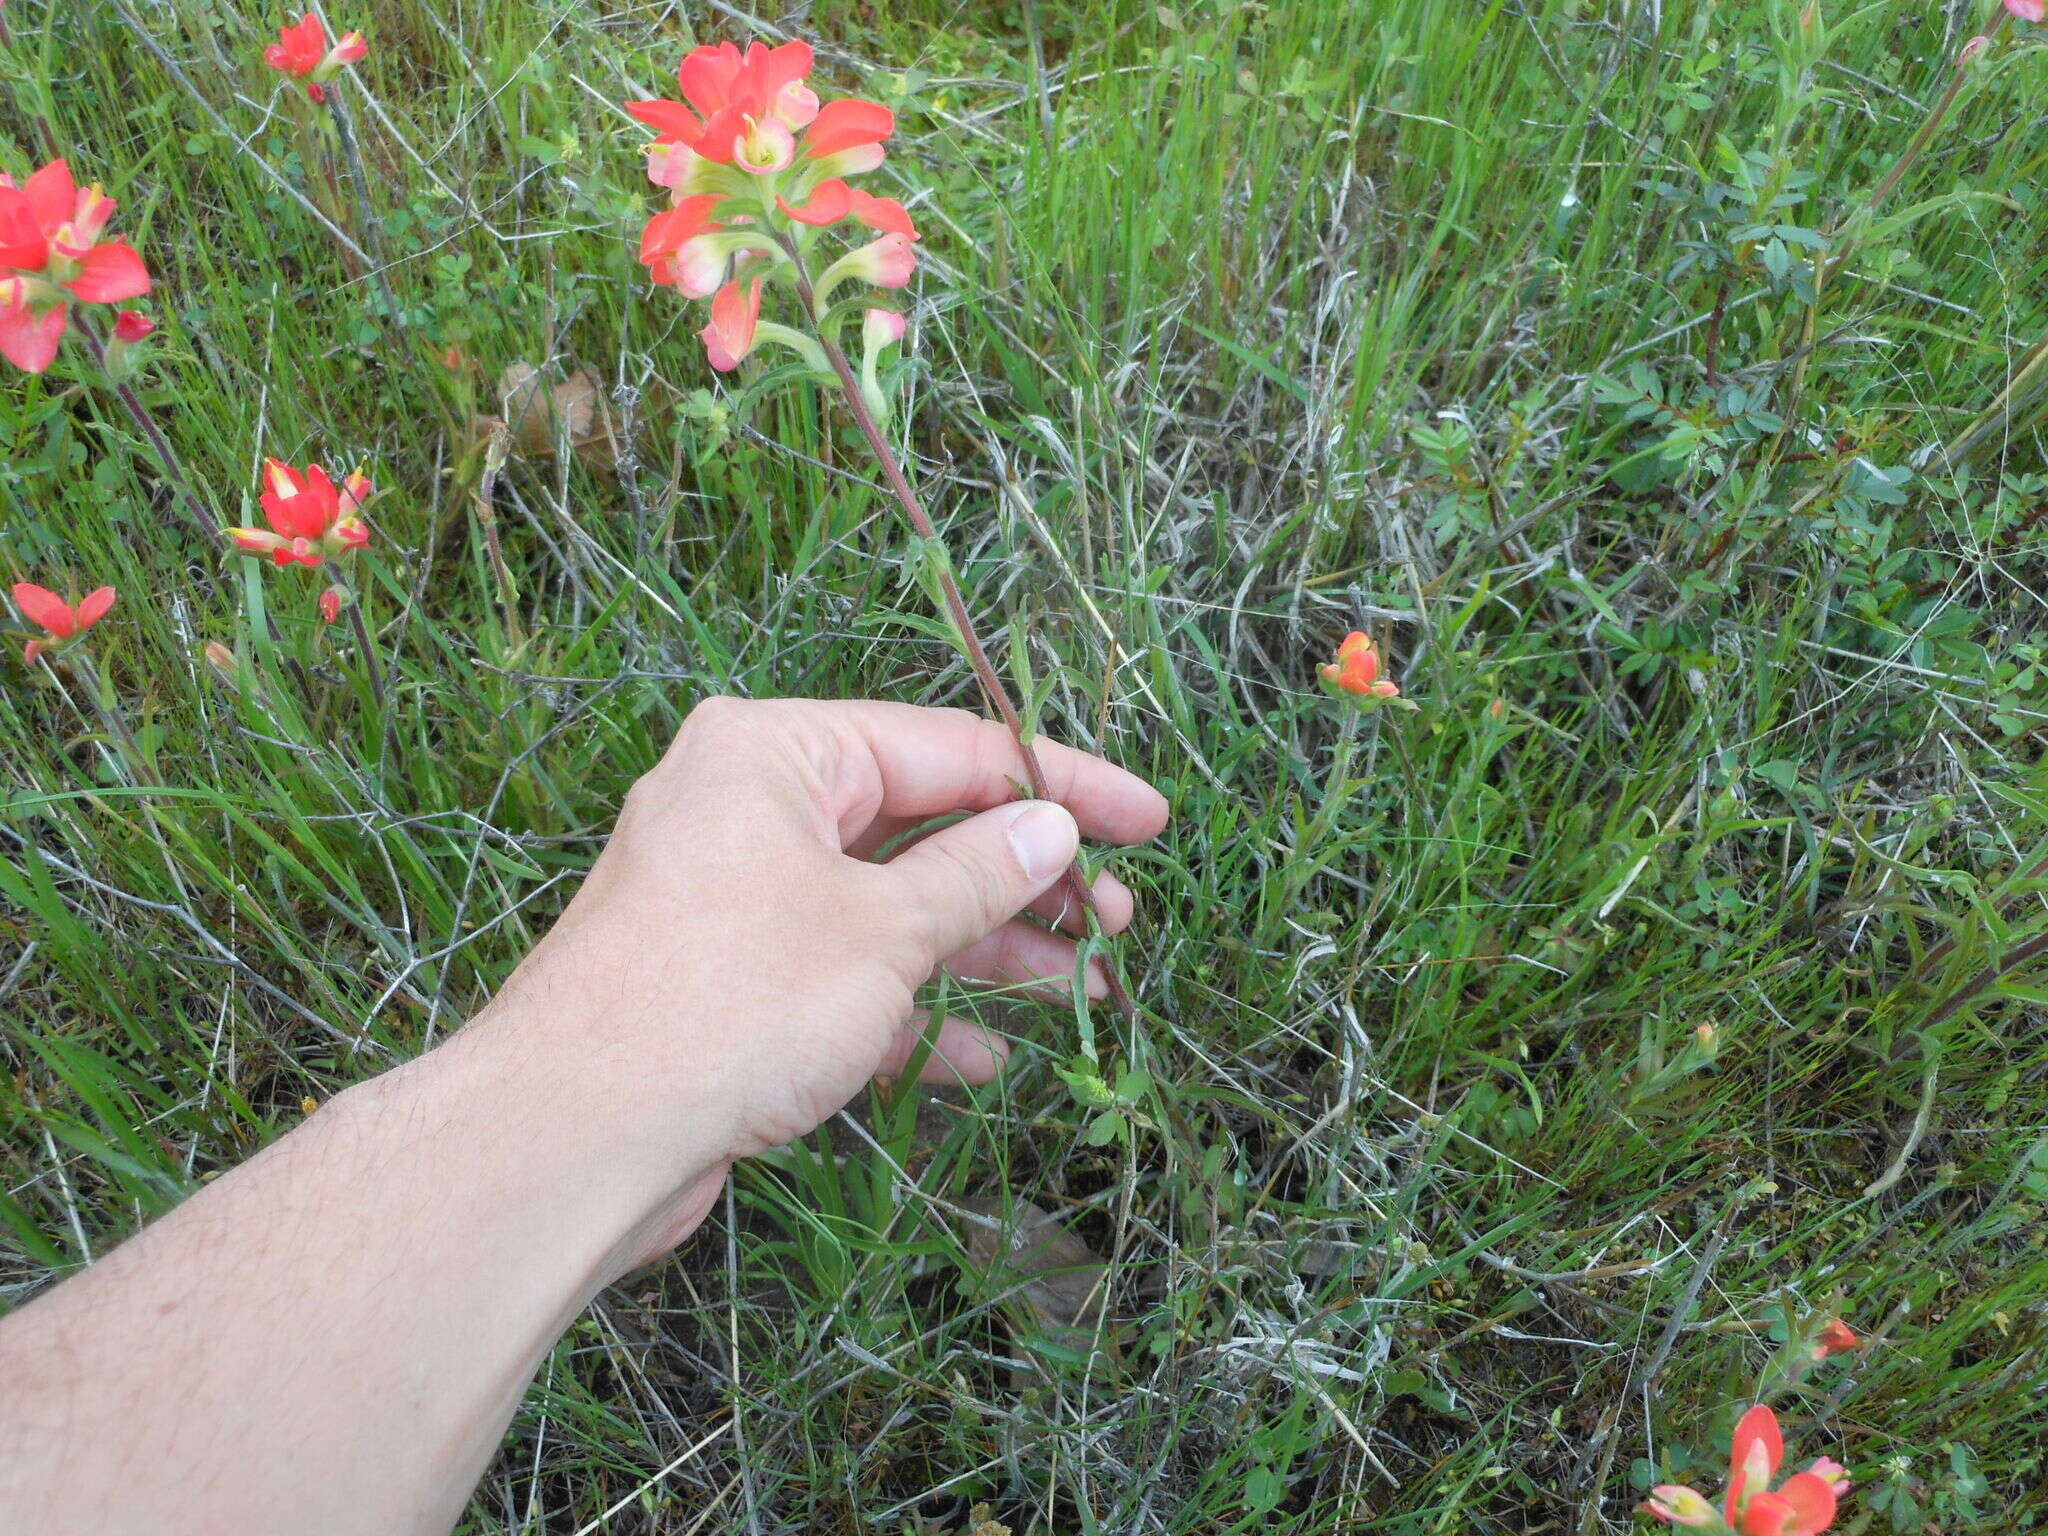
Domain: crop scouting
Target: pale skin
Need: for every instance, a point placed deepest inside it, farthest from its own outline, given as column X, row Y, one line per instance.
column 333, row 1336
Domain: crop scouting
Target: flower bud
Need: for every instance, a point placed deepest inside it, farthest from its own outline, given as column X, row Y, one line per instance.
column 131, row 326
column 1835, row 1338
column 1973, row 50
column 881, row 328
column 356, row 491
column 1676, row 1504
column 887, row 262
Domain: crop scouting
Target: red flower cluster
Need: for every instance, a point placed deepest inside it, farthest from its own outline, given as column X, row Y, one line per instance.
column 311, row 518
column 1803, row 1505
column 755, row 164
column 1355, row 675
column 61, row 622
column 1836, row 1338
column 302, row 53
column 51, row 254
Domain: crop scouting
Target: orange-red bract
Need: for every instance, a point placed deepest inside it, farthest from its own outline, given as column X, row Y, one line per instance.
column 51, row 254
column 60, row 621
column 301, row 51
column 735, row 314
column 311, row 519
column 1357, row 669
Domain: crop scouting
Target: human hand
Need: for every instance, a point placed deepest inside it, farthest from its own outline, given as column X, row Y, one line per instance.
column 736, row 967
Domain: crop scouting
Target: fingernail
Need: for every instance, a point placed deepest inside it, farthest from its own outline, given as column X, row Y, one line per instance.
column 1044, row 836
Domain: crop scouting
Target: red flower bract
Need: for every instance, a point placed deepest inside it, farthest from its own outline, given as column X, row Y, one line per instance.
column 669, row 254
column 847, row 124
column 302, row 53
column 51, row 254
column 834, row 200
column 728, row 96
column 311, row 519
column 1357, row 669
column 61, row 621
column 1836, row 1338
column 735, row 315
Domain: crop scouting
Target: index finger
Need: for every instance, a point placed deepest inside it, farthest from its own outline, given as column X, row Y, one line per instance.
column 901, row 760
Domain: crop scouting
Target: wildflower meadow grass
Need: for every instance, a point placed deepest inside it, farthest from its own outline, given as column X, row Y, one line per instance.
column 1552, row 489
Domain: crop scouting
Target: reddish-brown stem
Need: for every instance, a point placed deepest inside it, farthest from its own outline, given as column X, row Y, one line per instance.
column 1713, row 355
column 364, row 643
column 1915, row 147
column 956, row 608
column 139, row 413
column 337, row 109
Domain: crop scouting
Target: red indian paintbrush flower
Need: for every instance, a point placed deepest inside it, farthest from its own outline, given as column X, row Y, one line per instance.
column 311, row 519
column 1356, row 671
column 1836, row 1338
column 302, row 53
column 1803, row 1505
column 746, row 149
column 51, row 254
column 61, row 622
column 131, row 325
column 2027, row 10
column 737, row 108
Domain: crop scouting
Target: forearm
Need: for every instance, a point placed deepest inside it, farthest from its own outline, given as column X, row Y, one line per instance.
column 333, row 1336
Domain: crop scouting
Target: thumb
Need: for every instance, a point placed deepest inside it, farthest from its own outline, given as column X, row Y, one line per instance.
column 967, row 880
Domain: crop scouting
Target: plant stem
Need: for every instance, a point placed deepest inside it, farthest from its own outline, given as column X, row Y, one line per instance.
column 1302, row 868
column 495, row 454
column 1917, row 145
column 140, row 414
column 362, row 628
column 338, row 110
column 1841, row 240
column 956, row 609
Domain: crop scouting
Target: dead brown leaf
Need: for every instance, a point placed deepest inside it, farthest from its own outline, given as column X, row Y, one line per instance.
column 1025, row 1249
column 539, row 417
